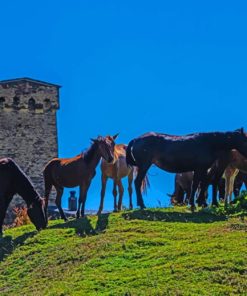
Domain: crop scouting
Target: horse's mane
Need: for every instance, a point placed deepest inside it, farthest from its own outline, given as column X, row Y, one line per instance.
column 89, row 153
column 185, row 137
column 120, row 150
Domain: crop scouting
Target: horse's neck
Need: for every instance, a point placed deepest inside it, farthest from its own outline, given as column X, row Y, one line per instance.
column 221, row 141
column 25, row 189
column 92, row 156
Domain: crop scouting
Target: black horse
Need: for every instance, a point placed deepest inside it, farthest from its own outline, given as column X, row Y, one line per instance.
column 182, row 188
column 177, row 154
column 14, row 181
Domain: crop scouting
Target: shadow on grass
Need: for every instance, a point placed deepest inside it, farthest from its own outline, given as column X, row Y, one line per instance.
column 83, row 226
column 8, row 244
column 197, row 217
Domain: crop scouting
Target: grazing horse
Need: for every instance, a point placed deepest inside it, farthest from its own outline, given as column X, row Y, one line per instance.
column 77, row 171
column 117, row 170
column 177, row 154
column 183, row 184
column 14, row 181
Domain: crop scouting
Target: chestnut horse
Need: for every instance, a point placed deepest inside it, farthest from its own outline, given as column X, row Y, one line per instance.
column 177, row 154
column 117, row 170
column 14, row 181
column 77, row 171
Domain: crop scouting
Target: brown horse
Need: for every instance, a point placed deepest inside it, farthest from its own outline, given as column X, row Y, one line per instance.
column 117, row 170
column 237, row 163
column 77, row 171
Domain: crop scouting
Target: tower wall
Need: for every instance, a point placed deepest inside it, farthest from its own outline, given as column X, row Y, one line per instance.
column 28, row 127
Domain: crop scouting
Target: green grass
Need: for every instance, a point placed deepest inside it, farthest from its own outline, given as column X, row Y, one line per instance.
column 150, row 252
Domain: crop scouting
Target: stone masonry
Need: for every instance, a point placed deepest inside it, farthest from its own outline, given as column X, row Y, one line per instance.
column 28, row 127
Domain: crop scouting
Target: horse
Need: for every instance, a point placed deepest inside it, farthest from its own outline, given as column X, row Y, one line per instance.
column 237, row 162
column 183, row 183
column 239, row 181
column 177, row 154
column 117, row 170
column 182, row 187
column 77, row 171
column 14, row 181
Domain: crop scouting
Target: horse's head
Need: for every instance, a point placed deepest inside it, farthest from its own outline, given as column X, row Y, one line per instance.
column 36, row 214
column 106, row 146
column 241, row 141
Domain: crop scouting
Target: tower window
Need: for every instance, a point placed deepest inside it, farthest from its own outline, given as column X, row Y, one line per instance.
column 16, row 101
column 47, row 104
column 31, row 104
column 2, row 101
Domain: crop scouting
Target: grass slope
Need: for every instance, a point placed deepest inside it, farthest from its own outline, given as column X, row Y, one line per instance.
column 151, row 252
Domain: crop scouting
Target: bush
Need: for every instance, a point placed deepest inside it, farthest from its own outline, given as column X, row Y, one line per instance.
column 21, row 216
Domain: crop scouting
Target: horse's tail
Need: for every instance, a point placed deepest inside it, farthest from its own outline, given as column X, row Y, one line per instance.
column 145, row 185
column 145, row 182
column 130, row 159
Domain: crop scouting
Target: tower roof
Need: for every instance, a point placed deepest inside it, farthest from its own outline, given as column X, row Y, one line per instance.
column 27, row 79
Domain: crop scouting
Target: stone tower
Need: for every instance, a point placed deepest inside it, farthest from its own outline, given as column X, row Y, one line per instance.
column 28, row 125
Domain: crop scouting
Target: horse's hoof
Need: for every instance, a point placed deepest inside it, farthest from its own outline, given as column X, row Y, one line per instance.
column 192, row 208
column 215, row 205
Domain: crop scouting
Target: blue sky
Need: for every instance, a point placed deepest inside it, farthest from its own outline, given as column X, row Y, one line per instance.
column 131, row 67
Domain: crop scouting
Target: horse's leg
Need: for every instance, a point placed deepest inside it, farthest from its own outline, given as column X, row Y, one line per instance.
column 221, row 188
column 214, row 194
column 114, row 192
column 130, row 181
column 48, row 187
column 236, row 188
column 196, row 180
column 102, row 194
column 185, row 200
column 79, row 207
column 203, row 189
column 83, row 195
column 121, row 192
column 138, row 183
column 4, row 203
column 232, row 179
column 227, row 188
column 58, row 202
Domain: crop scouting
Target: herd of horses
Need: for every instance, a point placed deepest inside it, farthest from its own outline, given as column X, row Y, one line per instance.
column 198, row 159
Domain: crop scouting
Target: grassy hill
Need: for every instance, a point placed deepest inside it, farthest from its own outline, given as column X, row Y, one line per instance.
column 151, row 252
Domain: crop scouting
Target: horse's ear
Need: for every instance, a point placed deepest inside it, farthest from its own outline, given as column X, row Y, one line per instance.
column 30, row 206
column 93, row 140
column 114, row 137
column 240, row 130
